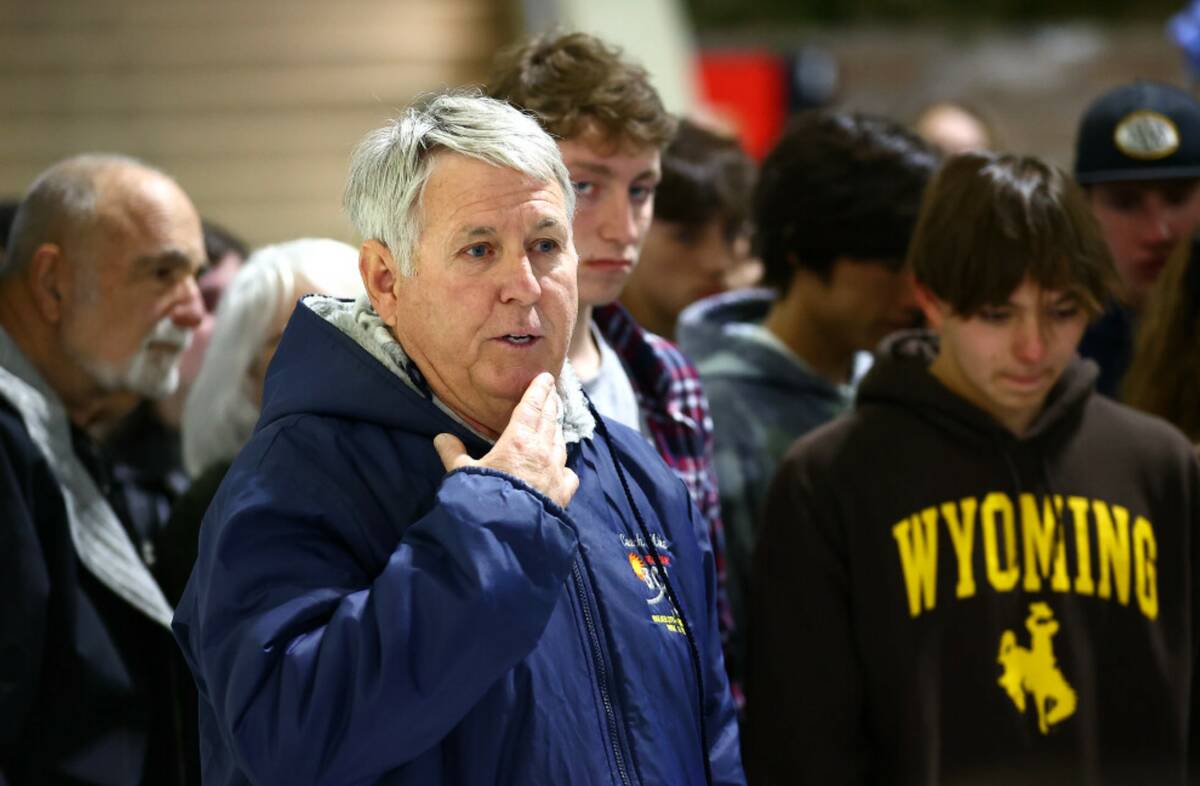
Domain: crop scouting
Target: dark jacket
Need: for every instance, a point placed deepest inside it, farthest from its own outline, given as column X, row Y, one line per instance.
column 1109, row 342
column 938, row 601
column 358, row 615
column 87, row 681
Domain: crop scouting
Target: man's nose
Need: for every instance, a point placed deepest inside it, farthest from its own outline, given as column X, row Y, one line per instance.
column 188, row 310
column 906, row 291
column 1161, row 221
column 518, row 283
column 1029, row 343
column 618, row 222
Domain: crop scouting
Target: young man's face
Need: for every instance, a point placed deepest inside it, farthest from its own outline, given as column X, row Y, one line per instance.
column 681, row 264
column 1142, row 222
column 614, row 186
column 1006, row 358
column 862, row 301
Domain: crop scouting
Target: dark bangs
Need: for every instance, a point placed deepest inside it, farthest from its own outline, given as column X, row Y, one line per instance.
column 987, row 221
column 705, row 176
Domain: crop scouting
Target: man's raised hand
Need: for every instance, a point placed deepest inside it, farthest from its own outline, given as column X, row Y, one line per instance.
column 531, row 447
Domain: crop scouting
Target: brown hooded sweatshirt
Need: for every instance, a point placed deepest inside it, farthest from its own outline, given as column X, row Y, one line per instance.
column 937, row 601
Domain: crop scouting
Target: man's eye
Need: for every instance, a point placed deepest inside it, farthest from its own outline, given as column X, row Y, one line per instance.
column 1124, row 201
column 641, row 193
column 1178, row 194
column 478, row 251
column 583, row 187
column 993, row 315
column 545, row 246
column 1066, row 313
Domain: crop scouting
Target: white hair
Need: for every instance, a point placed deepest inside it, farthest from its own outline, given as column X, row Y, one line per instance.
column 390, row 167
column 219, row 415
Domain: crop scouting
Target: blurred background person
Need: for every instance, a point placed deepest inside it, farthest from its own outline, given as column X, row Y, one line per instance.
column 1138, row 158
column 98, row 298
column 145, row 448
column 224, row 403
column 699, row 241
column 225, row 399
column 8, row 212
column 226, row 253
column 834, row 207
column 1164, row 376
column 953, row 127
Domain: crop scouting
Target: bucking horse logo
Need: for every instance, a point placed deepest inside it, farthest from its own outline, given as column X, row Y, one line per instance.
column 1035, row 671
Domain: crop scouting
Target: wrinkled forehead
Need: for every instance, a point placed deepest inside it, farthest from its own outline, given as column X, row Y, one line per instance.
column 467, row 199
column 608, row 154
column 144, row 214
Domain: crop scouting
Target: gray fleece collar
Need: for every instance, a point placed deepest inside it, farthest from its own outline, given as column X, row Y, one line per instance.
column 100, row 541
column 358, row 320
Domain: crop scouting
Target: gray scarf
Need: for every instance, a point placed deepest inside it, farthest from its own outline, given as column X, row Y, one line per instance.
column 100, row 541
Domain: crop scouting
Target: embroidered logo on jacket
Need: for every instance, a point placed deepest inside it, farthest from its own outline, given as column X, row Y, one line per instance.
column 1034, row 671
column 643, row 566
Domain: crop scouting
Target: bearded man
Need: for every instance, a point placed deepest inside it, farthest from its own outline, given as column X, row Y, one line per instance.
column 97, row 301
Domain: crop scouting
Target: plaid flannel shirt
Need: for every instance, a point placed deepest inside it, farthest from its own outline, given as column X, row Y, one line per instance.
column 675, row 411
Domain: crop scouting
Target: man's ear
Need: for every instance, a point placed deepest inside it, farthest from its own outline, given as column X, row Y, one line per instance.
column 935, row 309
column 379, row 273
column 50, row 276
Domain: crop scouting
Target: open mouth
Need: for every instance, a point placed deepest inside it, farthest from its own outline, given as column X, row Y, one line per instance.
column 519, row 339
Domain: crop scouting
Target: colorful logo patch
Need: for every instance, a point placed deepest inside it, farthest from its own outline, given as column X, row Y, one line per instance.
column 650, row 572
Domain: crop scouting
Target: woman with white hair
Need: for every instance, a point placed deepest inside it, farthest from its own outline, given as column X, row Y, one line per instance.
column 224, row 401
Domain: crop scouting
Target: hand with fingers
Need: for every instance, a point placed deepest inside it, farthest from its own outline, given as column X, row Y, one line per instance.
column 531, row 447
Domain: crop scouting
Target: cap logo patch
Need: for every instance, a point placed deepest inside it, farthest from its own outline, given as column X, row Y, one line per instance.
column 1146, row 135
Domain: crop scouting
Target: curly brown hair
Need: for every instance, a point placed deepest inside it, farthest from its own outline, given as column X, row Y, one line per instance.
column 574, row 83
column 1164, row 377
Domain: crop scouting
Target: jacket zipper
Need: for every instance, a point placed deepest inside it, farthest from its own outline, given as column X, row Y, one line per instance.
column 601, row 674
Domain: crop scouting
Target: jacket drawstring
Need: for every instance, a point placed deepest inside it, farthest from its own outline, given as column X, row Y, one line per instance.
column 657, row 566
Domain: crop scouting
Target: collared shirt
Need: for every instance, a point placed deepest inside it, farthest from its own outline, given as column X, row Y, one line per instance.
column 677, row 419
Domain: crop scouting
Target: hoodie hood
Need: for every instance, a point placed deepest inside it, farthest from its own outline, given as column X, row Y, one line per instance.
column 901, row 377
column 347, row 343
column 723, row 336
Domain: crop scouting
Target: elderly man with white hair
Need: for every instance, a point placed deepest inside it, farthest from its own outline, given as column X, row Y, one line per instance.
column 98, row 299
column 434, row 563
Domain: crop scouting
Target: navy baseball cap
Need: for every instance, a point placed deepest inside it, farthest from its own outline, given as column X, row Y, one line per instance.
column 1140, row 131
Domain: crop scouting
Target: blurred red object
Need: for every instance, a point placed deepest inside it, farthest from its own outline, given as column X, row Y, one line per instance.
column 748, row 90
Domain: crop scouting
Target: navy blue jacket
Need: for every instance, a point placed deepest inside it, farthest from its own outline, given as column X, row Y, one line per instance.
column 359, row 616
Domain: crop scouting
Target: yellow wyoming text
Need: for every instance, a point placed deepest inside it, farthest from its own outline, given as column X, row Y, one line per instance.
column 1026, row 543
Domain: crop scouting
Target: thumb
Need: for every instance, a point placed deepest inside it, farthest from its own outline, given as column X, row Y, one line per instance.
column 451, row 451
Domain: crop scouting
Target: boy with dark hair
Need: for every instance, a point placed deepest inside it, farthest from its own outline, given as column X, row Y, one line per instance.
column 611, row 128
column 699, row 242
column 1013, row 598
column 1137, row 155
column 834, row 207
